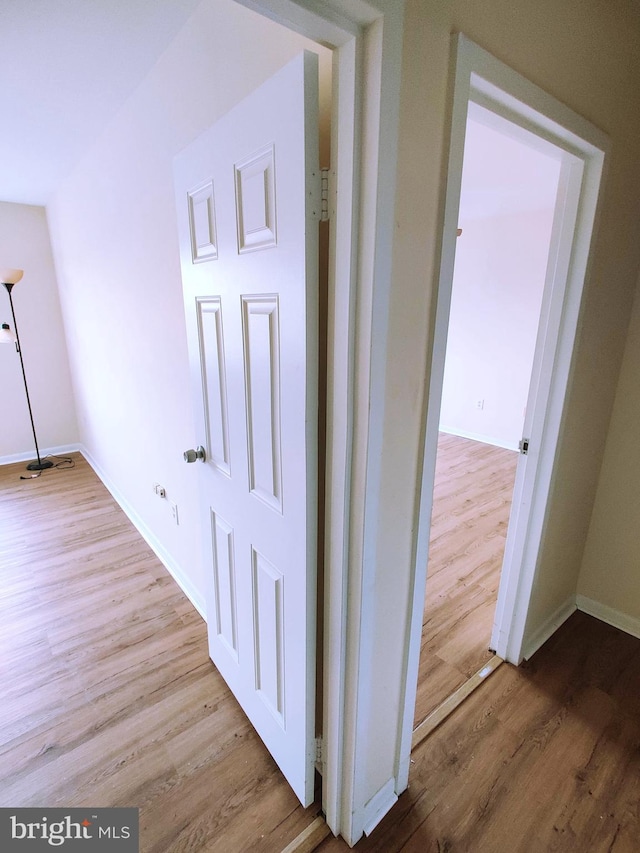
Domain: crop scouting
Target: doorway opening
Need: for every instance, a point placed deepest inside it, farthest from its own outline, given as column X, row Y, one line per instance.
column 508, row 200
column 523, row 111
column 366, row 45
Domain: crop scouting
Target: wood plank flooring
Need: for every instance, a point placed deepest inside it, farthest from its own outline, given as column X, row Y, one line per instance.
column 543, row 758
column 108, row 698
column 108, row 695
column 471, row 507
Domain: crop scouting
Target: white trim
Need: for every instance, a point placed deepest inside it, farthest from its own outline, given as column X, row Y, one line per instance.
column 382, row 51
column 613, row 617
column 542, row 424
column 339, row 419
column 339, row 416
column 342, row 29
column 30, row 456
column 379, row 805
column 366, row 36
column 149, row 537
column 476, row 436
column 545, row 407
column 330, row 24
column 477, row 75
column 431, row 422
column 540, row 636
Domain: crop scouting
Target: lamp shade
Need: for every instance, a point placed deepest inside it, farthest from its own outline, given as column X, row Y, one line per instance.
column 9, row 276
column 6, row 335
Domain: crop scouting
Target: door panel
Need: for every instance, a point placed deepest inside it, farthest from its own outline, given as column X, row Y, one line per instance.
column 247, row 195
column 214, row 383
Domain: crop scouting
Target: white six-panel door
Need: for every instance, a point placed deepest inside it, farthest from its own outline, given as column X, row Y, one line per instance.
column 247, row 194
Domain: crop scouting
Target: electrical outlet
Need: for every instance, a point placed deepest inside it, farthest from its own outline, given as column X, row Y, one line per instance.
column 480, row 404
column 161, row 492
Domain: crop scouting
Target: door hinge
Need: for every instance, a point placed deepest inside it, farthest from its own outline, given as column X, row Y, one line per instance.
column 319, row 752
column 319, row 195
column 523, row 447
column 324, row 195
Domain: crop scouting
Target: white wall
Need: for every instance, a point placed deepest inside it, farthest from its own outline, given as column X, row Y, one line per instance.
column 26, row 245
column 609, row 582
column 588, row 57
column 506, row 214
column 114, row 233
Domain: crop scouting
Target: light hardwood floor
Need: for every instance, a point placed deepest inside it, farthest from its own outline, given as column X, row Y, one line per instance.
column 541, row 758
column 108, row 698
column 108, row 694
column 471, row 507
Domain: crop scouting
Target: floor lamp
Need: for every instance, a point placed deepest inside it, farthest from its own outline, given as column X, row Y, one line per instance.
column 9, row 278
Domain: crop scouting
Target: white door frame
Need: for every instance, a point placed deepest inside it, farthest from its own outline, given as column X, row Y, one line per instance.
column 366, row 38
column 479, row 77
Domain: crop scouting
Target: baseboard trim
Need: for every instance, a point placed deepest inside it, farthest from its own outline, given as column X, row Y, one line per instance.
column 61, row 450
column 613, row 617
column 549, row 627
column 474, row 436
column 156, row 546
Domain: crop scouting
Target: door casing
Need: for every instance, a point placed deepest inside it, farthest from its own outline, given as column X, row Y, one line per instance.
column 478, row 76
column 366, row 38
column 367, row 41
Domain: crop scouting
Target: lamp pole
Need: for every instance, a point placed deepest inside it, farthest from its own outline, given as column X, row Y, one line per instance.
column 40, row 465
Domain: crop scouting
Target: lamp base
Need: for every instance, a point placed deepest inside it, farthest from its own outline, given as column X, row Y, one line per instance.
column 40, row 466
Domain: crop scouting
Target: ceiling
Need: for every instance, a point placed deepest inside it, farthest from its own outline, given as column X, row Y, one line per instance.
column 66, row 67
column 503, row 175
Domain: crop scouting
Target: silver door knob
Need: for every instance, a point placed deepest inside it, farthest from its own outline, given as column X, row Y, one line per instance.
column 192, row 455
